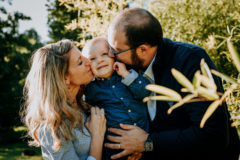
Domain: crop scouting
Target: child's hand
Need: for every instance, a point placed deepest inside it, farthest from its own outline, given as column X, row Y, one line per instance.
column 121, row 70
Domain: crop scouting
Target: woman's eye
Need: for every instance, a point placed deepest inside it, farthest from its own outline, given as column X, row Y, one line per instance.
column 80, row 63
column 92, row 59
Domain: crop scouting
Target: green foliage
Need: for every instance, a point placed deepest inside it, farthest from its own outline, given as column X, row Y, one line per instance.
column 233, row 102
column 15, row 50
column 58, row 18
column 15, row 151
column 93, row 16
column 200, row 22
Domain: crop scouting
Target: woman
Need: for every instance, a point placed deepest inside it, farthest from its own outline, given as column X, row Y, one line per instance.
column 55, row 118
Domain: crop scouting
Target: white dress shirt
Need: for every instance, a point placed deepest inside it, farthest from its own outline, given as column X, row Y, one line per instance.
column 151, row 103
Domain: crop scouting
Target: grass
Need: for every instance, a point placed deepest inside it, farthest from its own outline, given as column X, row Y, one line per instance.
column 12, row 146
column 14, row 152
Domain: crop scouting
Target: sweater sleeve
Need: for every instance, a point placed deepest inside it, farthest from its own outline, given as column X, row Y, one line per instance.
column 65, row 152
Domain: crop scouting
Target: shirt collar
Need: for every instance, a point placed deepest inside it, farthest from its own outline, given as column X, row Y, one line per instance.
column 149, row 73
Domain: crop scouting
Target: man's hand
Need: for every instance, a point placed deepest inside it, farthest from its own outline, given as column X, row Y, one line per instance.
column 135, row 156
column 131, row 139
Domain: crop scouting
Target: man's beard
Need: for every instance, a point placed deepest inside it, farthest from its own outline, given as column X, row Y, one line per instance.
column 137, row 63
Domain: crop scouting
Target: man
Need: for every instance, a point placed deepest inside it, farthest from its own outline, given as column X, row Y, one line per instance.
column 136, row 39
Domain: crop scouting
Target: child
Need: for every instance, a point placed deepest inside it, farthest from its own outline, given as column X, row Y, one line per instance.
column 120, row 93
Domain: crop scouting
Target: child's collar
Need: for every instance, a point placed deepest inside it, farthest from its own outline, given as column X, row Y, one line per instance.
column 103, row 79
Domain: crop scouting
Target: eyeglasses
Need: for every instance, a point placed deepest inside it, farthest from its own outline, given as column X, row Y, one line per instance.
column 116, row 53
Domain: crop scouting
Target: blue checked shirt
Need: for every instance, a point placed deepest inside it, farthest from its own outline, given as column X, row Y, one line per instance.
column 121, row 99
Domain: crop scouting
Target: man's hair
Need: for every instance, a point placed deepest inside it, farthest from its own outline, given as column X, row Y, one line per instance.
column 139, row 25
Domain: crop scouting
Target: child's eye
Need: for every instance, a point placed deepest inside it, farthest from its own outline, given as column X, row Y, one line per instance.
column 92, row 59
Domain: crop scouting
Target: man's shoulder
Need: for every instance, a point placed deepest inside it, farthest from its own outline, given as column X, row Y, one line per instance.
column 182, row 51
column 185, row 46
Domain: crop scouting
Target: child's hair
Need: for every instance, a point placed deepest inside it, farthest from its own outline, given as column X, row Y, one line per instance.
column 86, row 49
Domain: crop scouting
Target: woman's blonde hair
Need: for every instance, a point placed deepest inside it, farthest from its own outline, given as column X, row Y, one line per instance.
column 45, row 94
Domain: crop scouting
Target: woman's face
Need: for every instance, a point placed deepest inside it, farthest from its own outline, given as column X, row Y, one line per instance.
column 79, row 69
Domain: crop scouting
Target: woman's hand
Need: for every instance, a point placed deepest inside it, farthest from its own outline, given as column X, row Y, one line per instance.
column 96, row 125
column 96, row 122
column 121, row 69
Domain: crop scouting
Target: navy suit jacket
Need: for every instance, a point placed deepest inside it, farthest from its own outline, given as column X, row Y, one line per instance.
column 178, row 135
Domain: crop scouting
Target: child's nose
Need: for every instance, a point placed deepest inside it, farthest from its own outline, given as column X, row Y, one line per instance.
column 100, row 59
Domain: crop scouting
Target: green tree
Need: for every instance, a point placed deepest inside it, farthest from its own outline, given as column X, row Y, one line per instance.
column 15, row 50
column 58, row 18
column 93, row 16
column 201, row 23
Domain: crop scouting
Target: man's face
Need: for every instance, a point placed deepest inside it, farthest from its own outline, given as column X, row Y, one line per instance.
column 117, row 41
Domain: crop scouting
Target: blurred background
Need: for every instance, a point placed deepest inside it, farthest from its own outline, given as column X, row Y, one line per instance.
column 26, row 25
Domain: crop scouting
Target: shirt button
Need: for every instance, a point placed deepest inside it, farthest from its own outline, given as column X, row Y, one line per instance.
column 113, row 86
column 129, row 110
column 121, row 98
column 140, row 82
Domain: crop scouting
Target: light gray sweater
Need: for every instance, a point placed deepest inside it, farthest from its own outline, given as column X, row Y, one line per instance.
column 77, row 149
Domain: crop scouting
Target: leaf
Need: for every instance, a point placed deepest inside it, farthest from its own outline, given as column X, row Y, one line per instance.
column 213, row 106
column 224, row 76
column 196, row 79
column 208, row 83
column 234, row 54
column 182, row 80
column 181, row 102
column 159, row 98
column 205, row 70
column 184, row 90
column 165, row 91
column 236, row 123
column 207, row 93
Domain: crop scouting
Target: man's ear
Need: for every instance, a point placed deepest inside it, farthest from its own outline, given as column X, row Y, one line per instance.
column 142, row 50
